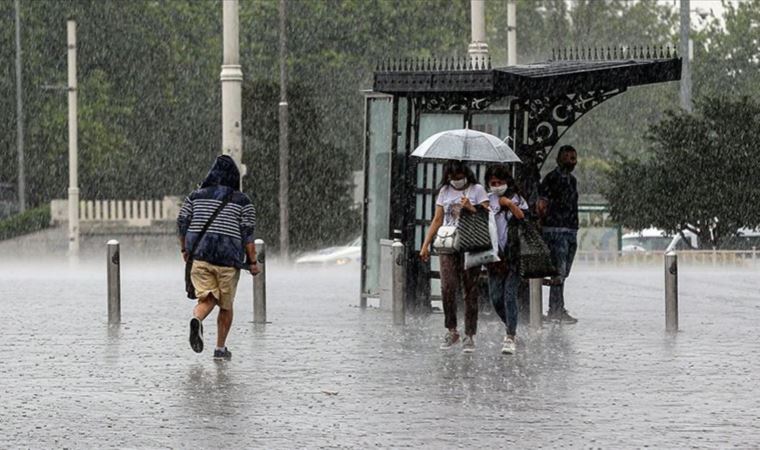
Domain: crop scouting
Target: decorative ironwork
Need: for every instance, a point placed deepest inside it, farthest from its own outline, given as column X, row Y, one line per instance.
column 454, row 64
column 614, row 53
column 454, row 102
column 550, row 117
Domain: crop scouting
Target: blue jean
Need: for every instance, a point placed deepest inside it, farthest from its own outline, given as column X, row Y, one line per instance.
column 562, row 244
column 503, row 283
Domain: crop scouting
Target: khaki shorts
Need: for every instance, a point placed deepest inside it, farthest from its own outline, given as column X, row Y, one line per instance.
column 217, row 280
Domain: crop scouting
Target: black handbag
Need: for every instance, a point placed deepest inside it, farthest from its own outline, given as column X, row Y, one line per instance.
column 535, row 259
column 189, row 288
column 472, row 231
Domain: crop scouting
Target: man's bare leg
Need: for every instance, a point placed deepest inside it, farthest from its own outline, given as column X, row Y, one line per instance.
column 223, row 324
column 204, row 307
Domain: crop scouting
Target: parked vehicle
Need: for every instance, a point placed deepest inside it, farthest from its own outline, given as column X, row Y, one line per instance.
column 648, row 240
column 333, row 256
column 653, row 239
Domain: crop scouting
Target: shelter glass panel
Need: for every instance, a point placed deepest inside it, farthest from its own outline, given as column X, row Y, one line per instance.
column 378, row 172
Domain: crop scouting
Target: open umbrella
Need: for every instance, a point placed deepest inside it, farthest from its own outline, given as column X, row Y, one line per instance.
column 465, row 145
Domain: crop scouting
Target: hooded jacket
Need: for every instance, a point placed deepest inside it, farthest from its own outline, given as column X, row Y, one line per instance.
column 224, row 241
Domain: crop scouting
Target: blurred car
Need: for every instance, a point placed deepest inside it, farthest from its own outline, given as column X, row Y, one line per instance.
column 334, row 256
column 656, row 240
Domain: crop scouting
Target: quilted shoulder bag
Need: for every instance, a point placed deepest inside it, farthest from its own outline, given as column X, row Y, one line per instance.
column 473, row 231
column 446, row 240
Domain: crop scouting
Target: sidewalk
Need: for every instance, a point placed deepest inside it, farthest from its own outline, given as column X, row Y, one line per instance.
column 325, row 373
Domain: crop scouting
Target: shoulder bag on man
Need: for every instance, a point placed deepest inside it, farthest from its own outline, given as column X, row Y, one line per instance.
column 535, row 257
column 189, row 288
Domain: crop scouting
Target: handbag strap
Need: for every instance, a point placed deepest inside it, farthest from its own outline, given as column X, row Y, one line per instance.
column 208, row 223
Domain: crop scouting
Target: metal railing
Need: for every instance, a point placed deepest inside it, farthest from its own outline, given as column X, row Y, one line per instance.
column 714, row 258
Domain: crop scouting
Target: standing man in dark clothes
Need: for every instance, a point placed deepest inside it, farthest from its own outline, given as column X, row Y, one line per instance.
column 558, row 209
column 221, row 251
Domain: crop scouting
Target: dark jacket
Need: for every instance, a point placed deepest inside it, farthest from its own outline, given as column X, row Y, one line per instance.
column 560, row 189
column 224, row 241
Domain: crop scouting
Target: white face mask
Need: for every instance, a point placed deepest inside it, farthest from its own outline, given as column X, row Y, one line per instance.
column 499, row 190
column 459, row 184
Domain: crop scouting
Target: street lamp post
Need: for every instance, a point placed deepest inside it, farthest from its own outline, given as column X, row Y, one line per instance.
column 511, row 32
column 685, row 57
column 19, row 117
column 284, row 144
column 73, row 202
column 478, row 49
column 232, row 81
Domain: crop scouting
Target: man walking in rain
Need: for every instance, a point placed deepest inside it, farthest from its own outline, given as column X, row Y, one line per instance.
column 215, row 226
column 558, row 209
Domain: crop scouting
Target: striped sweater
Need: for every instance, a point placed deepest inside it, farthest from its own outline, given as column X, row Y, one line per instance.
column 224, row 241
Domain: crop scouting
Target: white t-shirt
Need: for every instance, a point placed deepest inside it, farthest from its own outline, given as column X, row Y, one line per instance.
column 451, row 201
column 502, row 220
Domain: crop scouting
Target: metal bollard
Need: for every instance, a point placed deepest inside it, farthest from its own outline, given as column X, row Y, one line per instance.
column 399, row 282
column 671, row 292
column 260, row 285
column 114, row 282
column 536, row 302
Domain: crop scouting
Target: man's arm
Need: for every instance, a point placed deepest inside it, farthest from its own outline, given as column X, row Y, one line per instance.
column 544, row 195
column 184, row 219
column 247, row 227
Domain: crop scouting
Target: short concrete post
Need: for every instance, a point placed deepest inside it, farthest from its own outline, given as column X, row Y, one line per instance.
column 399, row 282
column 754, row 255
column 536, row 302
column 114, row 283
column 260, row 285
column 671, row 292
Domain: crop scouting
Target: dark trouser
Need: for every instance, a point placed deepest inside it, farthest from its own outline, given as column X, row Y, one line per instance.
column 563, row 245
column 503, row 284
column 452, row 273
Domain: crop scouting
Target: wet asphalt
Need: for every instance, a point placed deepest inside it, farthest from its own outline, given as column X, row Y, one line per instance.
column 325, row 373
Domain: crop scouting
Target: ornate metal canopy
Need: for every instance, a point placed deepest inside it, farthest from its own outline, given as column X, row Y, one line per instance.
column 546, row 98
column 580, row 70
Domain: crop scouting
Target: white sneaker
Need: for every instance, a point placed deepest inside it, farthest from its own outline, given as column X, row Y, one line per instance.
column 468, row 344
column 509, row 346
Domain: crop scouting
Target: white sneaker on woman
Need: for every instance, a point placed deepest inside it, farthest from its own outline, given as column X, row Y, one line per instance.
column 468, row 344
column 508, row 348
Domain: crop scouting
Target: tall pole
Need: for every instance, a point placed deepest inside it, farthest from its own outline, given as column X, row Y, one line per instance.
column 19, row 117
column 284, row 150
column 478, row 49
column 511, row 32
column 685, row 57
column 71, row 32
column 232, row 81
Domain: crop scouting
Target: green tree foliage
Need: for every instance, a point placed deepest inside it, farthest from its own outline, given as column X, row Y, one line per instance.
column 727, row 56
column 699, row 173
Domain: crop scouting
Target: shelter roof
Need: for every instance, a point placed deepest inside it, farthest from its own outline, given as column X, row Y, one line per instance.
column 558, row 76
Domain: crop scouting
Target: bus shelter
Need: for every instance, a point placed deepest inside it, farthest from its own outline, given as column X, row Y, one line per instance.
column 530, row 105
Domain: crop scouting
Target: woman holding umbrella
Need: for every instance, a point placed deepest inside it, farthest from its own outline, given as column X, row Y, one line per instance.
column 458, row 194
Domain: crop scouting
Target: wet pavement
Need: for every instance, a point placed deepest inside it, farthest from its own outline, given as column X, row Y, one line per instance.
column 325, row 373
